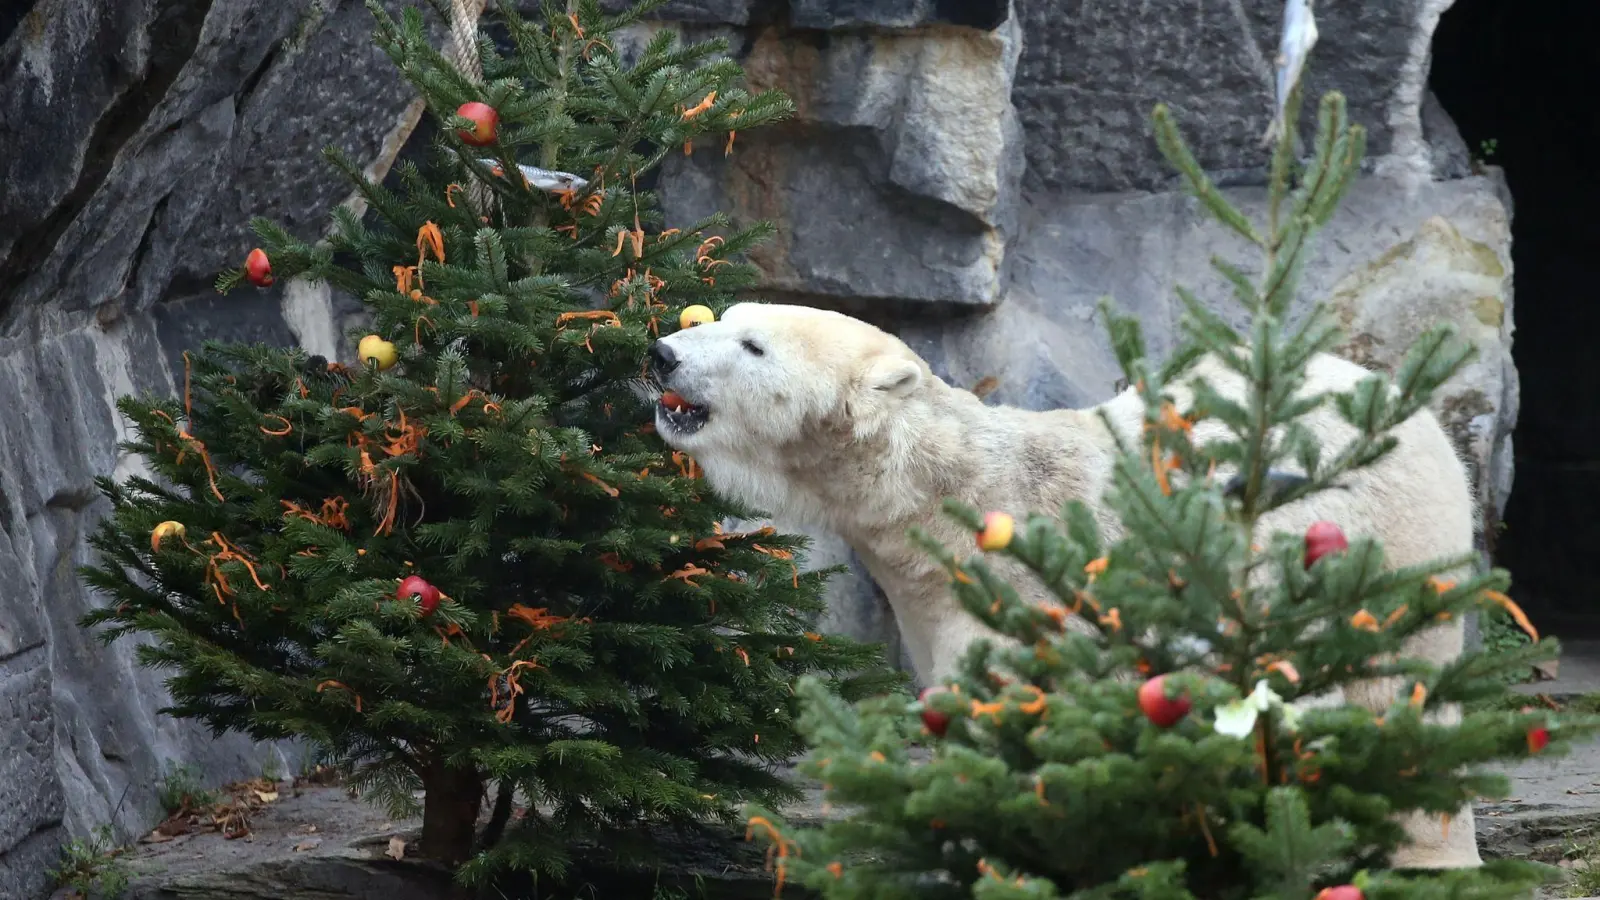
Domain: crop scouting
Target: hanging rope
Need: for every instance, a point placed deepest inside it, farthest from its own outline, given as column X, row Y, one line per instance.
column 464, row 16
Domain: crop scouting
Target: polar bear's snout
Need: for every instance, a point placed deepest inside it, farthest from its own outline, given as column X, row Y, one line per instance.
column 676, row 416
column 663, row 359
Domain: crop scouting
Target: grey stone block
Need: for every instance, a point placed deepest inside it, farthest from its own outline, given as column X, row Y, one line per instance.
column 897, row 182
column 1091, row 72
column 832, row 15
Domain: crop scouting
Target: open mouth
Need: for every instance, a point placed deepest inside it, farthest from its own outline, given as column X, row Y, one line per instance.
column 680, row 415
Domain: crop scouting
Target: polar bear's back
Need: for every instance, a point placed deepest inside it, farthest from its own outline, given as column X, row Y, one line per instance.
column 1417, row 500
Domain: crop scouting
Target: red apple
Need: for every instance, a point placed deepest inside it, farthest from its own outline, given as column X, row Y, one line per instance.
column 257, row 268
column 1323, row 538
column 1164, row 711
column 1342, row 892
column 936, row 722
column 485, row 120
column 427, row 595
column 1538, row 738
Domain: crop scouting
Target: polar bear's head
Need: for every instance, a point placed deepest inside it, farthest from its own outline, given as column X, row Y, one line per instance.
column 768, row 383
column 776, row 374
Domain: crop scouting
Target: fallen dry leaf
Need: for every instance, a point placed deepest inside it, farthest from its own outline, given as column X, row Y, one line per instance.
column 179, row 823
column 311, row 844
column 267, row 796
column 397, row 849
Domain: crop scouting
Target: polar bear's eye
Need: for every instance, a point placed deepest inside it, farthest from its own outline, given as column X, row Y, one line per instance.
column 753, row 347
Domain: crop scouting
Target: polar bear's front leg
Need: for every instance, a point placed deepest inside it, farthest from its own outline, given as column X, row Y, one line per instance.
column 1434, row 842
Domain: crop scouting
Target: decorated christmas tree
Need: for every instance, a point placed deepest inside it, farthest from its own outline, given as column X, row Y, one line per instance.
column 1141, row 734
column 465, row 566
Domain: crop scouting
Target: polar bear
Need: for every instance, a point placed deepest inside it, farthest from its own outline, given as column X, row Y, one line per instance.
column 819, row 419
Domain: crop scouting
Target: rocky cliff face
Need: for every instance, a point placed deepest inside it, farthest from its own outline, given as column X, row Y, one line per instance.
column 136, row 139
column 974, row 174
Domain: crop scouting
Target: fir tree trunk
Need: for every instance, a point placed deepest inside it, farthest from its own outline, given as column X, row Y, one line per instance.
column 450, row 812
column 498, row 816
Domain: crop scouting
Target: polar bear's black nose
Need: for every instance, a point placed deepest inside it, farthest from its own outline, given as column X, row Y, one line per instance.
column 662, row 359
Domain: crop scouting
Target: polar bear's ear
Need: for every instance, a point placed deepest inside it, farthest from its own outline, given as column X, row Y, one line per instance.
column 892, row 376
column 885, row 379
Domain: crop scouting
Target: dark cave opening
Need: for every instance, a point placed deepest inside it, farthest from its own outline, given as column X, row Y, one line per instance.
column 1523, row 81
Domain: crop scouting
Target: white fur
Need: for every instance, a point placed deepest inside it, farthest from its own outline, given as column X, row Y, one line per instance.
column 839, row 425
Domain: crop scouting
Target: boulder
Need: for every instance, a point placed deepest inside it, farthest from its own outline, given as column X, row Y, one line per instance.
column 1441, row 276
column 896, row 182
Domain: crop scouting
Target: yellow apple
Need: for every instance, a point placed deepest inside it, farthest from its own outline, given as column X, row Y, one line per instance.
column 375, row 349
column 163, row 531
column 695, row 315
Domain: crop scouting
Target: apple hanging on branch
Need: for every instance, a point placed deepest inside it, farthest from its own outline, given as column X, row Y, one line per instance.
column 936, row 722
column 427, row 596
column 258, row 268
column 377, row 351
column 485, row 121
column 1323, row 538
column 998, row 529
column 697, row 314
column 1160, row 709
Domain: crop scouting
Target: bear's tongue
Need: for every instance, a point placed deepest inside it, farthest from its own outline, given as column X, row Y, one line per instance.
column 675, row 402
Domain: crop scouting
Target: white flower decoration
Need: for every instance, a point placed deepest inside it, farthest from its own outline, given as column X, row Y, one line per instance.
column 1236, row 719
column 1263, row 697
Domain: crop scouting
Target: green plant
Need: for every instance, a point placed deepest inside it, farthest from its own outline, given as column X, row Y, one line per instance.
column 90, row 868
column 663, row 892
column 1485, row 154
column 1582, row 862
column 272, row 770
column 182, row 785
column 1501, row 634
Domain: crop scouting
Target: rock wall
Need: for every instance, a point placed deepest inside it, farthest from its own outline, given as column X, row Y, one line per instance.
column 136, row 139
column 971, row 173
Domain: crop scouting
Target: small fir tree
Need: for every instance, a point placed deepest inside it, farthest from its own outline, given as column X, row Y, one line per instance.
column 1055, row 774
column 468, row 562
